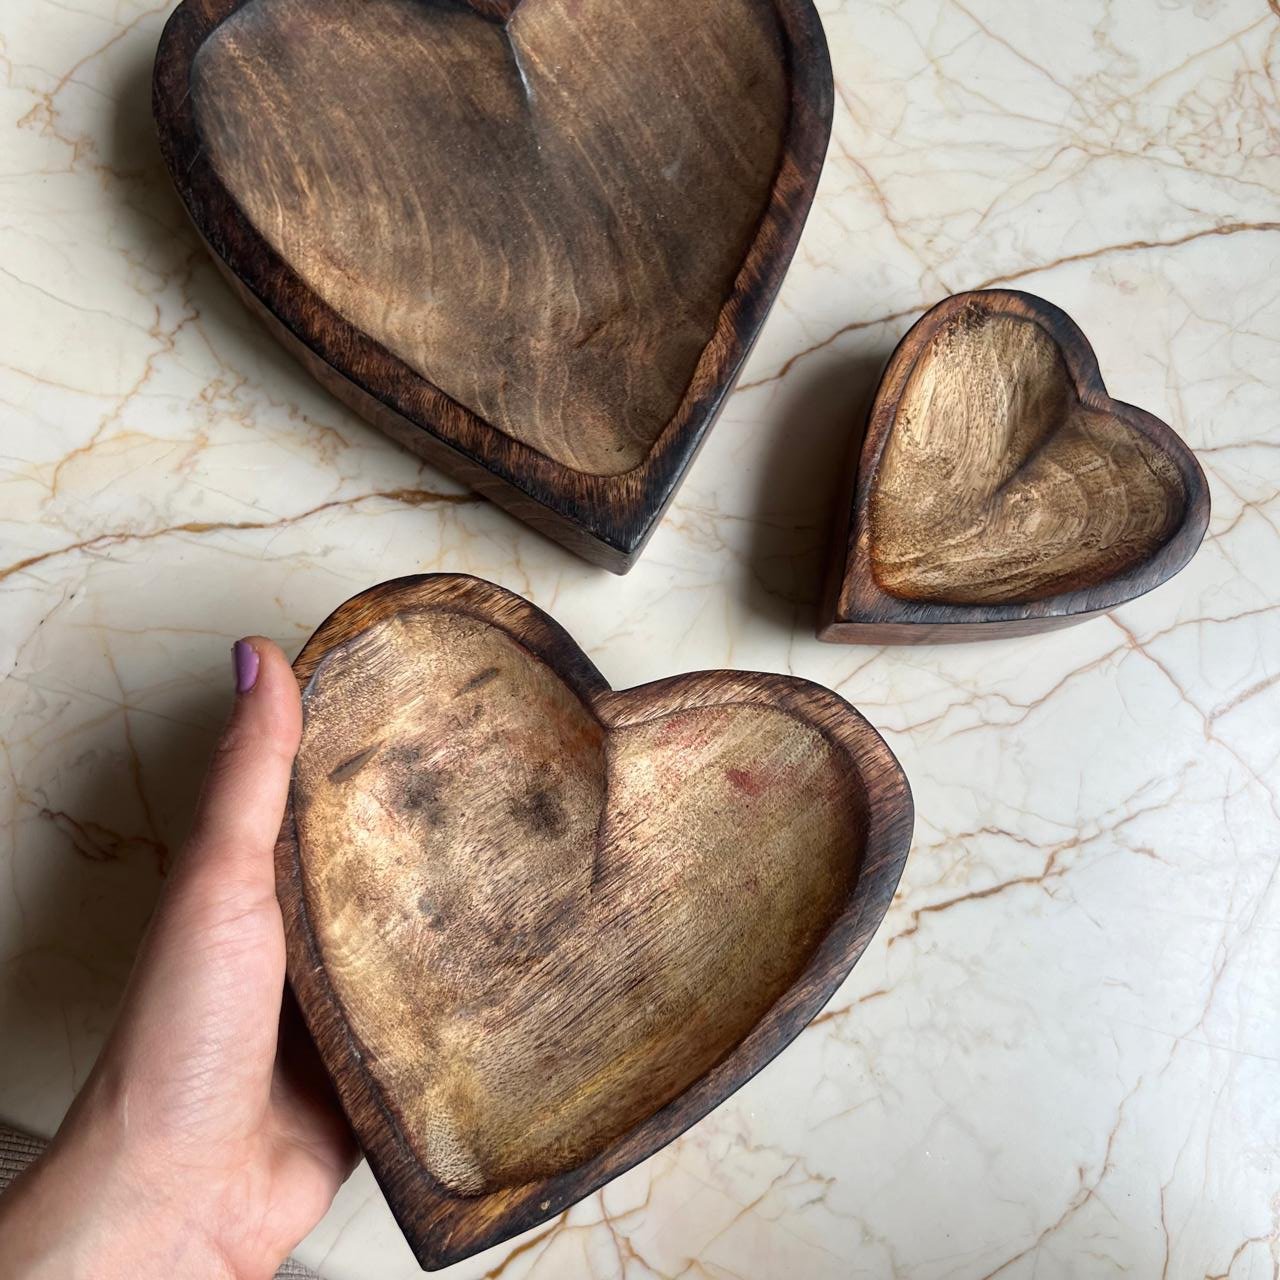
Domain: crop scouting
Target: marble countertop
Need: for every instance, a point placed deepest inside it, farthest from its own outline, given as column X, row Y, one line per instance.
column 1059, row 1055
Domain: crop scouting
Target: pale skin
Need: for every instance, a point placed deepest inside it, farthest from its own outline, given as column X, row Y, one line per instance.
column 206, row 1142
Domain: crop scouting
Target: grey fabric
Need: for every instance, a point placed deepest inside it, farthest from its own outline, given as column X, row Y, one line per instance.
column 295, row 1271
column 17, row 1150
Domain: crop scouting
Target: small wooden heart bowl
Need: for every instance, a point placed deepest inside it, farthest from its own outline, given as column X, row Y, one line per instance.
column 537, row 927
column 531, row 240
column 1000, row 490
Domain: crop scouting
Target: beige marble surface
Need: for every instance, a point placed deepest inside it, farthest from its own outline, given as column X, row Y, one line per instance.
column 1059, row 1055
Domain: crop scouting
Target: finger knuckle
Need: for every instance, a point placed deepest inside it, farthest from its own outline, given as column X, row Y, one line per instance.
column 240, row 741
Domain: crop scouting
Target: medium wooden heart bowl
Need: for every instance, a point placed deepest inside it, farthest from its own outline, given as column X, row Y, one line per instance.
column 532, row 241
column 538, row 927
column 1000, row 490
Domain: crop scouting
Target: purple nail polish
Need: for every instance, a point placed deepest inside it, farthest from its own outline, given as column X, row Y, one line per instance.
column 244, row 658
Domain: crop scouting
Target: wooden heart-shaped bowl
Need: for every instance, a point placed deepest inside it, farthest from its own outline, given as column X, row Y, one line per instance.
column 538, row 927
column 1000, row 489
column 534, row 242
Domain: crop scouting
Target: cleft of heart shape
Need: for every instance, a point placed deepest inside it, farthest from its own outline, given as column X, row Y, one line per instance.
column 542, row 912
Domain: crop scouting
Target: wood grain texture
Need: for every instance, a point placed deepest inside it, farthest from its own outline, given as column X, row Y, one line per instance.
column 1000, row 490
column 539, row 927
column 541, row 236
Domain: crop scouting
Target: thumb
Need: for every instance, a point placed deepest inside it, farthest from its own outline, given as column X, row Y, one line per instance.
column 210, row 971
column 238, row 818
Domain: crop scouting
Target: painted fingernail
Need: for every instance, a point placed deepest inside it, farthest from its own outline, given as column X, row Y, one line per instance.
column 244, row 658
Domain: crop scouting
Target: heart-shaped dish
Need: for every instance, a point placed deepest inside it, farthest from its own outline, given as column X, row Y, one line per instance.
column 533, row 241
column 537, row 927
column 1000, row 490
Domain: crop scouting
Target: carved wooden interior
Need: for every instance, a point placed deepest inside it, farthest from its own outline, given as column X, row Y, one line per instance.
column 544, row 919
column 998, row 485
column 542, row 215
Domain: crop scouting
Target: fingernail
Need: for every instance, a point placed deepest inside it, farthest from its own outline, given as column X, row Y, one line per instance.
column 244, row 658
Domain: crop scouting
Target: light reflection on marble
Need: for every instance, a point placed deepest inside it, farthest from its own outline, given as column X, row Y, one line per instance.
column 1059, row 1055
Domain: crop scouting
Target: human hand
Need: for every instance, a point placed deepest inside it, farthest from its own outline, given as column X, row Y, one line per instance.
column 206, row 1142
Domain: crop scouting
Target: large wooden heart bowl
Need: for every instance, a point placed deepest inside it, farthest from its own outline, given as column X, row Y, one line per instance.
column 533, row 241
column 538, row 927
column 1000, row 490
